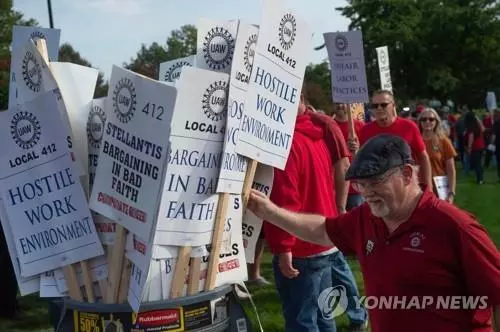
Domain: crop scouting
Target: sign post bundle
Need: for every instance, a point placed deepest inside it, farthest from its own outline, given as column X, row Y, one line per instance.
column 141, row 196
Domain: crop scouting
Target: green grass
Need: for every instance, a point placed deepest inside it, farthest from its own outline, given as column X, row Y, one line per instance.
column 483, row 201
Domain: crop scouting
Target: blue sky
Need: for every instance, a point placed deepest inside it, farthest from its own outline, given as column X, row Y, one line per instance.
column 108, row 32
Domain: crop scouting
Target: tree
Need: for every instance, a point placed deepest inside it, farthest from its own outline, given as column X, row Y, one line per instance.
column 68, row 54
column 317, row 84
column 179, row 44
column 8, row 18
column 437, row 48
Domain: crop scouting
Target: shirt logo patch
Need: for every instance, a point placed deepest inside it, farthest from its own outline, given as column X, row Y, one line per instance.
column 369, row 247
column 416, row 239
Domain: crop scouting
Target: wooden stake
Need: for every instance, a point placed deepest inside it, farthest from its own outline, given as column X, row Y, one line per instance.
column 194, row 276
column 87, row 281
column 116, row 265
column 125, row 279
column 72, row 283
column 218, row 232
column 247, row 184
column 181, row 268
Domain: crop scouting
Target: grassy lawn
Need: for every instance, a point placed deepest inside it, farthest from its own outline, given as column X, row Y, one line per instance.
column 483, row 201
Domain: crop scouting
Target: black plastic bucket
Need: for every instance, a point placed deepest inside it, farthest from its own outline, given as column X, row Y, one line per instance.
column 215, row 311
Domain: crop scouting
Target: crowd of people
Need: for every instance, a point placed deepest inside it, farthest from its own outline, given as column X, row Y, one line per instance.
column 369, row 192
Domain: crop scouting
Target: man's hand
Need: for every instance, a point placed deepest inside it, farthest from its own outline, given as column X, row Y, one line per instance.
column 261, row 205
column 353, row 144
column 449, row 198
column 285, row 265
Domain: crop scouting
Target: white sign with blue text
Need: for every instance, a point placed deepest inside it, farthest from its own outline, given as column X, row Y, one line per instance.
column 43, row 198
column 189, row 199
column 133, row 151
column 171, row 70
column 281, row 55
column 26, row 68
column 215, row 44
column 347, row 62
column 234, row 166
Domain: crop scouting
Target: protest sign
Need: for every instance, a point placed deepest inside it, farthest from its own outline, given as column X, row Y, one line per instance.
column 189, row 199
column 231, row 266
column 384, row 68
column 215, row 44
column 96, row 122
column 40, row 190
column 281, row 56
column 48, row 286
column 491, row 101
column 171, row 70
column 76, row 84
column 442, row 186
column 35, row 73
column 138, row 287
column 347, row 62
column 26, row 67
column 252, row 225
column 98, row 269
column 133, row 151
column 27, row 285
column 234, row 166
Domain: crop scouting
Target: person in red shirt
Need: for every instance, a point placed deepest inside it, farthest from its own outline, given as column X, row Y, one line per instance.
column 338, row 153
column 340, row 111
column 434, row 260
column 302, row 269
column 386, row 121
column 475, row 144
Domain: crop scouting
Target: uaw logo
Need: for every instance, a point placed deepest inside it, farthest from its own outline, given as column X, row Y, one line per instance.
column 383, row 58
column 218, row 48
column 250, row 52
column 214, row 100
column 174, row 71
column 332, row 302
column 95, row 126
column 341, row 43
column 124, row 100
column 25, row 130
column 32, row 72
column 35, row 35
column 287, row 31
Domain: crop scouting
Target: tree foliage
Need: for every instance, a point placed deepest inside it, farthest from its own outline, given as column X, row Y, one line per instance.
column 317, row 85
column 437, row 48
column 179, row 44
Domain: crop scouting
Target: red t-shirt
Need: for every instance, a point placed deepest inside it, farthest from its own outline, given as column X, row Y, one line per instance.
column 478, row 142
column 440, row 251
column 488, row 121
column 404, row 128
column 344, row 128
column 305, row 186
column 333, row 135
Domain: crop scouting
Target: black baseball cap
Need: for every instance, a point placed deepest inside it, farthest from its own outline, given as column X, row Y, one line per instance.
column 378, row 155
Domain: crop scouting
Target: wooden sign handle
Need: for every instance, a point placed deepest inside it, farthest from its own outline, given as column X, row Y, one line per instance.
column 350, row 121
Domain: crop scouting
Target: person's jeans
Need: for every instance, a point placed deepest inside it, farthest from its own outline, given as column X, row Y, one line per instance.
column 476, row 164
column 353, row 200
column 342, row 275
column 299, row 296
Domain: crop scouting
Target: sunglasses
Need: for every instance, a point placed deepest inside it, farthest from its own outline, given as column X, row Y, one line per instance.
column 383, row 105
column 427, row 119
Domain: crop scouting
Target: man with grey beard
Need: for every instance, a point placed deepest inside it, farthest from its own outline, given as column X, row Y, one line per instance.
column 410, row 245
